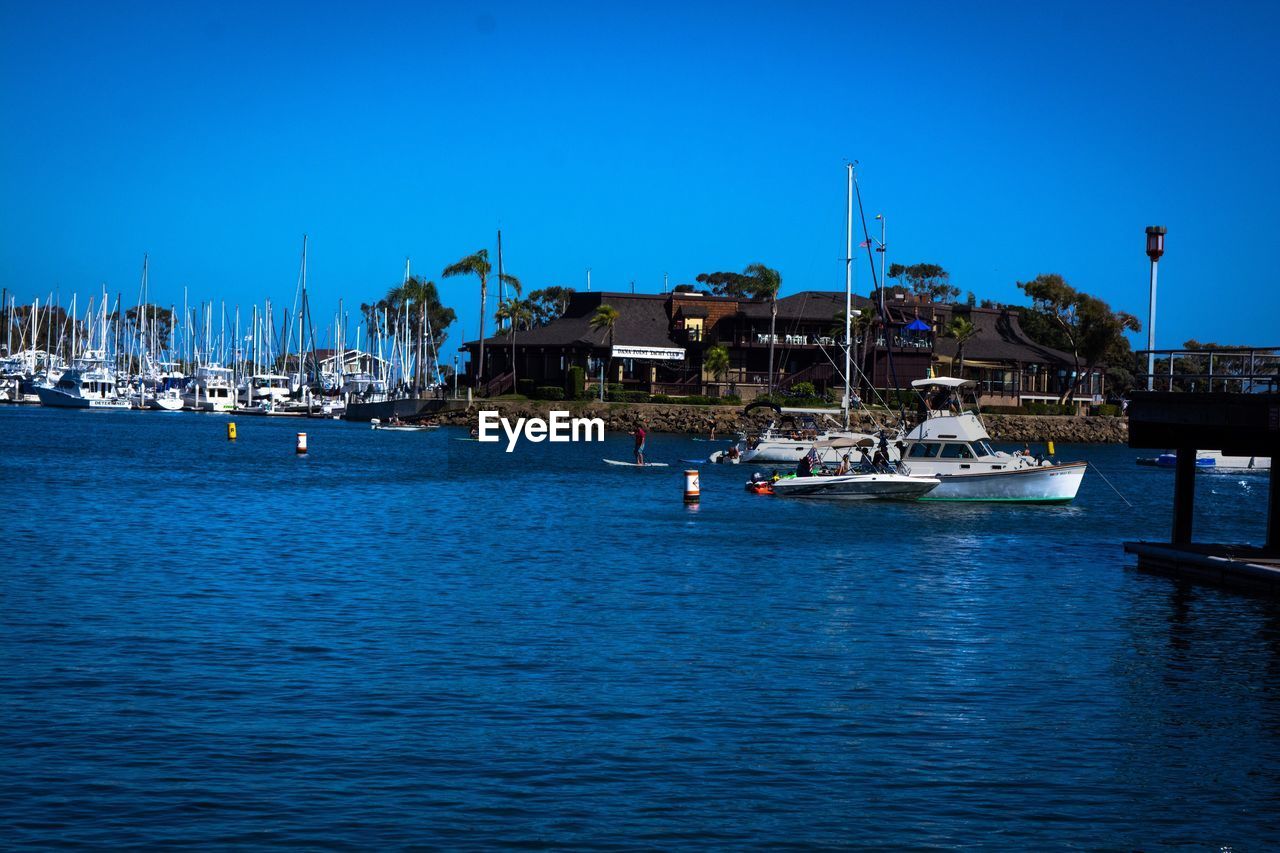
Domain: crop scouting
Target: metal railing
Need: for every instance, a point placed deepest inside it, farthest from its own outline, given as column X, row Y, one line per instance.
column 1241, row 370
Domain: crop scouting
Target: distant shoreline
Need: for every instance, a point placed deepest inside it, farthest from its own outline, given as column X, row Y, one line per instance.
column 727, row 420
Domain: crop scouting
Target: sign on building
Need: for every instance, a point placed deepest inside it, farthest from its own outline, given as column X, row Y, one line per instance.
column 652, row 353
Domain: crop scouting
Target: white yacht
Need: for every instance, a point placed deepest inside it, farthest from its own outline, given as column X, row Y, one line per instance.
column 210, row 390
column 88, row 385
column 1215, row 460
column 797, row 430
column 953, row 446
column 269, row 388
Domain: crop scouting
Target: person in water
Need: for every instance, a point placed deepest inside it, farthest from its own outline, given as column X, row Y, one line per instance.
column 640, row 435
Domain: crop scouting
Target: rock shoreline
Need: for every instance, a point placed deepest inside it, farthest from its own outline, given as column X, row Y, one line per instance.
column 726, row 420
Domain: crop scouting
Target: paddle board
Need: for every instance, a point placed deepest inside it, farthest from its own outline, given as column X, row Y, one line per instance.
column 634, row 465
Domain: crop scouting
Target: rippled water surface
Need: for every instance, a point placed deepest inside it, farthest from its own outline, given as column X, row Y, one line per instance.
column 404, row 639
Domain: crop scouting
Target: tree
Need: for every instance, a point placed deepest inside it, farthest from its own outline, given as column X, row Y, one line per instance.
column 727, row 283
column 412, row 308
column 605, row 317
column 516, row 312
column 926, row 280
column 1090, row 330
column 478, row 265
column 549, row 303
column 514, row 283
column 716, row 362
column 766, row 283
column 962, row 329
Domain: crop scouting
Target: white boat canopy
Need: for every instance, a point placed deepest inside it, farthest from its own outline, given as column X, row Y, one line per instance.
column 944, row 382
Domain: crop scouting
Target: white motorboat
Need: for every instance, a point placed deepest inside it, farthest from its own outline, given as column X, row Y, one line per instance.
column 400, row 426
column 953, row 446
column 91, row 385
column 274, row 388
column 1215, row 461
column 857, row 486
column 210, row 390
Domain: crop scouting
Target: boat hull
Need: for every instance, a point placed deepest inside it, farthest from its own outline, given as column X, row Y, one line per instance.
column 857, row 487
column 165, row 404
column 1045, row 484
column 57, row 399
column 789, row 451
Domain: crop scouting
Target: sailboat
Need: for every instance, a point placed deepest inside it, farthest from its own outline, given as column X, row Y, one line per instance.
column 848, row 482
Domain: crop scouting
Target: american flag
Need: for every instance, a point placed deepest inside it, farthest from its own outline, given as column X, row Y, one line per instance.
column 814, row 459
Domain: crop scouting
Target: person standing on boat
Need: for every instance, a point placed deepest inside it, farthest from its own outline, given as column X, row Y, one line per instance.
column 640, row 435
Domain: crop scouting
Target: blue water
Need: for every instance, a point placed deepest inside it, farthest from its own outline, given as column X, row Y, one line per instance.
column 404, row 639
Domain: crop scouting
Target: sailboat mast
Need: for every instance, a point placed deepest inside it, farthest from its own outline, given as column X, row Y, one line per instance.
column 501, row 286
column 848, row 294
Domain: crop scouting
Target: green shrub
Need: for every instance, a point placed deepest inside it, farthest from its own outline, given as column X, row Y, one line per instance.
column 550, row 392
column 661, row 398
column 803, row 389
column 576, row 383
column 525, row 387
column 1107, row 410
column 730, row 400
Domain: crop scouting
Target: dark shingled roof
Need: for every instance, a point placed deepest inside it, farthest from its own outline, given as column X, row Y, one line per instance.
column 999, row 338
column 815, row 305
column 642, row 322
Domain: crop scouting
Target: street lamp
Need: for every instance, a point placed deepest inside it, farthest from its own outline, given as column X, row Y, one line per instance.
column 1155, row 248
column 455, row 377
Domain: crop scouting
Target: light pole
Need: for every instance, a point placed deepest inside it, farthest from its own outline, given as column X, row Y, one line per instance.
column 455, row 377
column 1155, row 248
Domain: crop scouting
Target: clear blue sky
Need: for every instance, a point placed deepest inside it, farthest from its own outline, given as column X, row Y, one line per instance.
column 1000, row 141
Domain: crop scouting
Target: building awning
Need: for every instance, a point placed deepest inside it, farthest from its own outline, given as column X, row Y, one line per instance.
column 651, row 353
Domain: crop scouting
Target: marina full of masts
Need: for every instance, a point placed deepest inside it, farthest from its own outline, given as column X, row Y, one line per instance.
column 95, row 353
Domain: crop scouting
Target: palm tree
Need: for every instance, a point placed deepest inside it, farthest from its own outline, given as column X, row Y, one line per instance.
column 716, row 362
column 478, row 265
column 514, row 311
column 765, row 285
column 605, row 317
column 961, row 329
column 421, row 292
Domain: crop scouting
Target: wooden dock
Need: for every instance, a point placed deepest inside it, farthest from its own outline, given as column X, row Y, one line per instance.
column 1237, row 425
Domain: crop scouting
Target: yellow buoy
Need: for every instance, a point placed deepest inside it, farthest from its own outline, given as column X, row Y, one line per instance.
column 231, row 431
column 1051, row 448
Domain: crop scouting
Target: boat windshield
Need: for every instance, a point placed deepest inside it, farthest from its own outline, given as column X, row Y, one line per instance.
column 924, row 450
column 956, row 451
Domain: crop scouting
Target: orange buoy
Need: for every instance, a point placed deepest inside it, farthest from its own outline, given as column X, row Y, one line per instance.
column 692, row 493
column 302, row 443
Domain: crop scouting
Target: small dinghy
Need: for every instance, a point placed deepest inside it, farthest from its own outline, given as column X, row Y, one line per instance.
column 401, row 427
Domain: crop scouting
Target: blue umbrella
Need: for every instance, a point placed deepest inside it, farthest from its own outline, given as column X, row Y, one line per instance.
column 917, row 325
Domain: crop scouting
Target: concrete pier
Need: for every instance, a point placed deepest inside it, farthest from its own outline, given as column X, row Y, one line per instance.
column 1237, row 425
